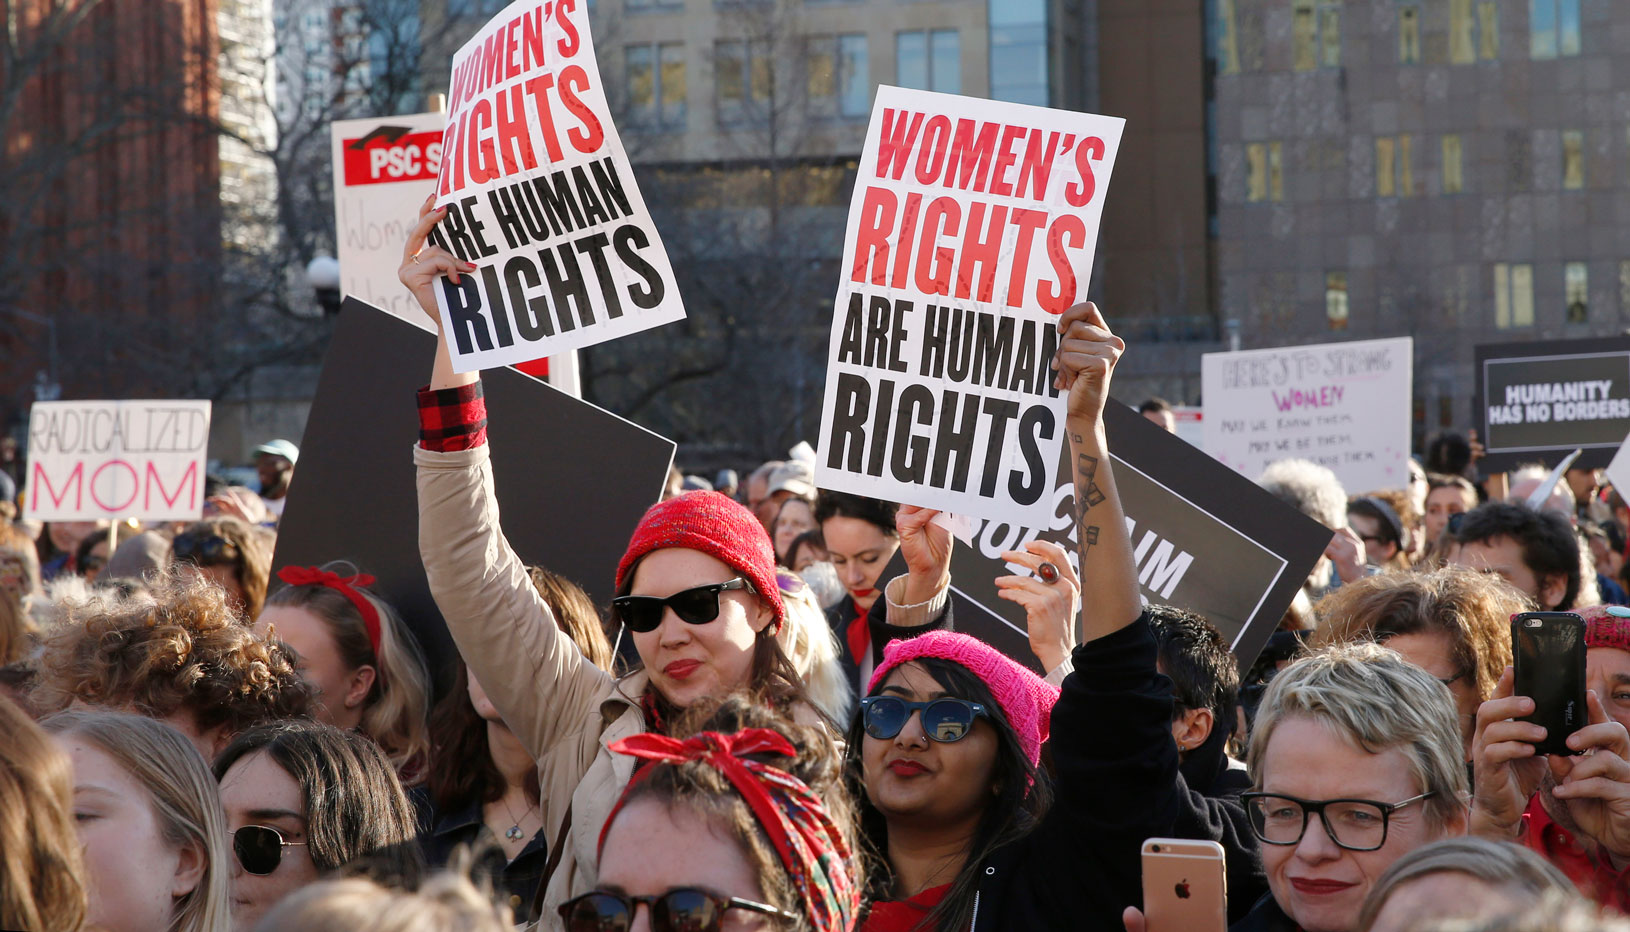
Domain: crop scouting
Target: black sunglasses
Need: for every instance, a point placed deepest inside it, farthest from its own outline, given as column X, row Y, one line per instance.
column 696, row 606
column 259, row 848
column 944, row 720
column 681, row 909
column 203, row 549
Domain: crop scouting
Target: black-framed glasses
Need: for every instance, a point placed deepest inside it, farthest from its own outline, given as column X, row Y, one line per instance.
column 259, row 848
column 696, row 606
column 203, row 548
column 944, row 719
column 1354, row 824
column 681, row 909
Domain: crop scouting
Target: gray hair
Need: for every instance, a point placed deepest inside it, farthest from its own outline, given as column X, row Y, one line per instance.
column 1314, row 491
column 1514, row 869
column 1375, row 699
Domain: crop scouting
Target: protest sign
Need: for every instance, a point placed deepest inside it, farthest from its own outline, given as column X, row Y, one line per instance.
column 560, row 463
column 1342, row 405
column 541, row 197
column 89, row 460
column 383, row 168
column 1618, row 469
column 1204, row 538
column 972, row 227
column 1538, row 402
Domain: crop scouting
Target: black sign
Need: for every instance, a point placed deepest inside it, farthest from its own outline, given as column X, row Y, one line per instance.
column 573, row 480
column 1204, row 538
column 1538, row 402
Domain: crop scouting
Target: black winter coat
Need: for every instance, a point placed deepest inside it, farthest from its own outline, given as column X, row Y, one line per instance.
column 877, row 620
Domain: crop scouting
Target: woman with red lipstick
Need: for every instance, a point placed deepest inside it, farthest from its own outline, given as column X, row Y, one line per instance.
column 1356, row 761
column 696, row 590
column 973, row 835
column 862, row 535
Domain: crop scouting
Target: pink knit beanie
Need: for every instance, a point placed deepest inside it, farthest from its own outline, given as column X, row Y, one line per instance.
column 1026, row 699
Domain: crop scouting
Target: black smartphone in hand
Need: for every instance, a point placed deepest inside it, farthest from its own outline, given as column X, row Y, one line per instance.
column 1548, row 649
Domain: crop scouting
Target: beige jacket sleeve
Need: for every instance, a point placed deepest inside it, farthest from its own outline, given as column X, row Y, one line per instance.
column 534, row 674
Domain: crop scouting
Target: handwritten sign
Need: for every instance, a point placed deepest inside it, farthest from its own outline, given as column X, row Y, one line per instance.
column 541, row 197
column 1341, row 405
column 972, row 228
column 89, row 460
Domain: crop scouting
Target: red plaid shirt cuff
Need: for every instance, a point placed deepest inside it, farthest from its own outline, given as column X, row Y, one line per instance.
column 452, row 418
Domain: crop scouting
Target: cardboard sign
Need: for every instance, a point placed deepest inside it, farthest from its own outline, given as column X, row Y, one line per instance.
column 1538, row 402
column 541, row 197
column 383, row 169
column 972, row 228
column 558, row 462
column 1204, row 538
column 1618, row 469
column 89, row 460
column 1342, row 405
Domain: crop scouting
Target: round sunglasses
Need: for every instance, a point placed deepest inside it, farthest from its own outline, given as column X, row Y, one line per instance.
column 944, row 719
column 259, row 848
column 681, row 909
column 696, row 606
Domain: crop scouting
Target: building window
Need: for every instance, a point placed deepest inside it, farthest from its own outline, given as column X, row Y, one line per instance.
column 1019, row 51
column 1409, row 34
column 1225, row 36
column 1385, row 164
column 1553, row 28
column 1453, row 180
column 1335, row 299
column 1264, row 172
column 839, row 82
column 1573, row 160
column 1513, row 295
column 1519, row 151
column 1488, row 30
column 1462, row 33
column 656, row 84
column 930, row 61
column 1406, row 166
column 1316, row 34
column 1576, row 291
column 741, row 81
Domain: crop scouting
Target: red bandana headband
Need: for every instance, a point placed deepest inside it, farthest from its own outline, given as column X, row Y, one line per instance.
column 312, row 576
column 809, row 845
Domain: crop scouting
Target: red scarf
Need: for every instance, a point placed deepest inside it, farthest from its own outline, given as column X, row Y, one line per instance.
column 859, row 634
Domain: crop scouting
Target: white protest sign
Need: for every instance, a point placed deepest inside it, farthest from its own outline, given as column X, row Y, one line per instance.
column 1618, row 471
column 541, row 197
column 89, row 460
column 383, row 168
column 1341, row 405
column 972, row 229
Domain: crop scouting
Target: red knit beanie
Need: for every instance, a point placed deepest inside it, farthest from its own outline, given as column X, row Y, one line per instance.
column 718, row 526
column 1606, row 626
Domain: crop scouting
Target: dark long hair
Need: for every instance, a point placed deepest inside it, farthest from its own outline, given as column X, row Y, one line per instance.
column 1023, row 795
column 461, row 767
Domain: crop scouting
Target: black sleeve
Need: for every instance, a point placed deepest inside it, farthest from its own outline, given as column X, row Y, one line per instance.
column 1115, row 784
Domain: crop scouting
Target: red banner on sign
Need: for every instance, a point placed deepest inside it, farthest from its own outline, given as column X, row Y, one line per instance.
column 378, row 157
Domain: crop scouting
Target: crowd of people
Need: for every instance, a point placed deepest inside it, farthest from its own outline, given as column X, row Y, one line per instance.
column 760, row 731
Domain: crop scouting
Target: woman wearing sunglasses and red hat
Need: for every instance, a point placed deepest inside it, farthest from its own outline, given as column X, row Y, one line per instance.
column 696, row 589
column 945, row 753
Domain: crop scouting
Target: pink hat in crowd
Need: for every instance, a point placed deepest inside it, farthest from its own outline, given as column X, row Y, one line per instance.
column 1026, row 699
column 1606, row 626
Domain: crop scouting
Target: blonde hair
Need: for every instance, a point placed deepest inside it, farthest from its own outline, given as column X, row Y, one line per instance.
column 446, row 902
column 1375, row 700
column 1556, row 913
column 185, row 799
column 397, row 709
column 574, row 614
column 1473, row 609
column 808, row 642
column 1516, row 870
column 41, row 885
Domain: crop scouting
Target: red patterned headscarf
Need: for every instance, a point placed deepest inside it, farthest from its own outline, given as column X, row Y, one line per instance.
column 809, row 845
column 1606, row 626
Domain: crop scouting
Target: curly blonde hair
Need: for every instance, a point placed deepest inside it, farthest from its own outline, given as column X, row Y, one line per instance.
column 178, row 648
column 1472, row 609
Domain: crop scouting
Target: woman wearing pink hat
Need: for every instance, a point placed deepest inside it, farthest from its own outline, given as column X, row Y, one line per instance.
column 696, row 589
column 974, row 835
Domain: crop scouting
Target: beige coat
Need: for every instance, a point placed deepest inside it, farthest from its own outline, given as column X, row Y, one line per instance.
column 564, row 709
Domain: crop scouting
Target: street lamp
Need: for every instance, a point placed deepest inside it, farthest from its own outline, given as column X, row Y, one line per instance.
column 323, row 274
column 46, row 386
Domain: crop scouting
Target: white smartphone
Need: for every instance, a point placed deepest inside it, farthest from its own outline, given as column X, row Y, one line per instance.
column 1184, row 886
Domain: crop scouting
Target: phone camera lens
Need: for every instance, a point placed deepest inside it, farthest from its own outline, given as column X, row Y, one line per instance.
column 1155, row 848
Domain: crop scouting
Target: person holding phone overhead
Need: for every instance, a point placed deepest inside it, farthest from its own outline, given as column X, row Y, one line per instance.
column 1573, row 809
